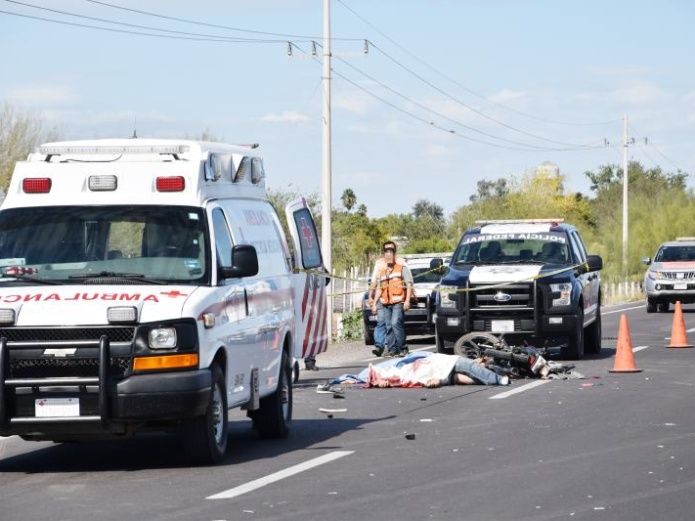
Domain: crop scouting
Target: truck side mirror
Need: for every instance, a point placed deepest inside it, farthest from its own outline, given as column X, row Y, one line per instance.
column 436, row 265
column 594, row 262
column 646, row 261
column 244, row 262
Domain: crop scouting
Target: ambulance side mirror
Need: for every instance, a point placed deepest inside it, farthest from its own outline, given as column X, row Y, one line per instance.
column 244, row 262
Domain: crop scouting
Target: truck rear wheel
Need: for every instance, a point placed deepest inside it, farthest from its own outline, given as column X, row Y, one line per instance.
column 206, row 436
column 368, row 336
column 272, row 419
column 651, row 305
column 574, row 349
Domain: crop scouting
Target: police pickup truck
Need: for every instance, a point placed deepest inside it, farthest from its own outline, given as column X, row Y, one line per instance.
column 527, row 280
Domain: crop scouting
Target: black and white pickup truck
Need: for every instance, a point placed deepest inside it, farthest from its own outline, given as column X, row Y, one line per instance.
column 526, row 279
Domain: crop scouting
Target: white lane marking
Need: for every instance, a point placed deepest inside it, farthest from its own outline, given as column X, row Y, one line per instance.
column 639, row 348
column 519, row 389
column 690, row 330
column 282, row 474
column 621, row 310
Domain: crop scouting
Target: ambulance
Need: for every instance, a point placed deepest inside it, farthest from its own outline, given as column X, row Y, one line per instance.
column 148, row 285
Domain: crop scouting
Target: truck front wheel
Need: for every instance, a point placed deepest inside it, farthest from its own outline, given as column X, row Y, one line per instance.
column 574, row 349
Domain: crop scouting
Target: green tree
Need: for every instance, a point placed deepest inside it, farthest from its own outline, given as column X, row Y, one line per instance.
column 349, row 199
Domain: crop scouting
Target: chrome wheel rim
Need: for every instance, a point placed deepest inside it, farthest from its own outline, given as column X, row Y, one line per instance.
column 217, row 415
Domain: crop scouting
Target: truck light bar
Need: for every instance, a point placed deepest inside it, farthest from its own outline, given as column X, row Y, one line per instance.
column 521, row 221
column 57, row 150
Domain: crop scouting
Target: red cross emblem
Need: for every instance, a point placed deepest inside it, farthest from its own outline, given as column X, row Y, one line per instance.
column 306, row 233
column 173, row 293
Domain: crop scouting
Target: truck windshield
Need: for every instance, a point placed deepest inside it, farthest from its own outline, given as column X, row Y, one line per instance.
column 68, row 243
column 513, row 248
column 675, row 253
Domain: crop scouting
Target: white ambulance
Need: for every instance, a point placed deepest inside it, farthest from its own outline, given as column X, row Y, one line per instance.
column 148, row 285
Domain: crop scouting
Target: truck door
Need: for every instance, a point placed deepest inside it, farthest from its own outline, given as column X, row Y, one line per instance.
column 308, row 287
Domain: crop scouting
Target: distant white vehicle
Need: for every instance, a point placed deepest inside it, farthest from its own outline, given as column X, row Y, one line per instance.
column 419, row 318
column 671, row 275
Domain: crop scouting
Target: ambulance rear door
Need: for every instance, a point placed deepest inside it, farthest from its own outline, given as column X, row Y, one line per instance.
column 308, row 282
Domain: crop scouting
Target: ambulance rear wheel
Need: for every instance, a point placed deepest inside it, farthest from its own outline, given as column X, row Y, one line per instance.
column 272, row 419
column 206, row 437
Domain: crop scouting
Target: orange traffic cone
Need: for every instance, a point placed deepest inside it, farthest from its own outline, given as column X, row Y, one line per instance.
column 624, row 359
column 678, row 337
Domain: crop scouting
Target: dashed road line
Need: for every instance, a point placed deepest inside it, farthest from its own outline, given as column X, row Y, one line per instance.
column 282, row 474
column 518, row 390
column 639, row 348
column 621, row 310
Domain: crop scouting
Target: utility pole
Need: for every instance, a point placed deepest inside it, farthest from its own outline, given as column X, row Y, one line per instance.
column 625, row 181
column 326, row 190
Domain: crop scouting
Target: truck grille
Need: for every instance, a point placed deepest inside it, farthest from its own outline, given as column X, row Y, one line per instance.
column 512, row 296
column 60, row 367
column 674, row 275
column 115, row 334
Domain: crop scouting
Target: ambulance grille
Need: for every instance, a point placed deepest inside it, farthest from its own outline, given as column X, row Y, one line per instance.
column 59, row 367
column 115, row 334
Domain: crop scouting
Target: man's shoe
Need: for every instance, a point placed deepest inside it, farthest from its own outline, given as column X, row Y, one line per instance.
column 403, row 352
column 390, row 354
column 378, row 351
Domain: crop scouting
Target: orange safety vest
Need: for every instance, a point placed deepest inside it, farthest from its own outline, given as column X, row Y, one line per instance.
column 392, row 285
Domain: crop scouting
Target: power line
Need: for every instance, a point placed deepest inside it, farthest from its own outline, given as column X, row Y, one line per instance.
column 147, row 27
column 427, row 122
column 226, row 27
column 139, row 33
column 445, row 117
column 464, row 87
column 469, row 107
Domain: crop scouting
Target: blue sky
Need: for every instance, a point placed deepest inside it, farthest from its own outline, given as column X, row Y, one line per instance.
column 569, row 62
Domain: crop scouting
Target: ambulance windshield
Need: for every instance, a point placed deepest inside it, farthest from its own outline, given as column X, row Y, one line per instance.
column 162, row 243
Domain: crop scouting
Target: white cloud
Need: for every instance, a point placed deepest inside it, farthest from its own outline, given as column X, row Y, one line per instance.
column 641, row 93
column 507, row 95
column 41, row 94
column 355, row 103
column 436, row 150
column 288, row 116
column 88, row 117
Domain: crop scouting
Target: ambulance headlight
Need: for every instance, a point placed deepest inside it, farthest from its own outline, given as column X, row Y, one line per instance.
column 162, row 338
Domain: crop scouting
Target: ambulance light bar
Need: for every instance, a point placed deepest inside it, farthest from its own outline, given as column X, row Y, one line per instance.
column 121, row 314
column 103, row 183
column 521, row 221
column 36, row 185
column 58, row 150
column 171, row 184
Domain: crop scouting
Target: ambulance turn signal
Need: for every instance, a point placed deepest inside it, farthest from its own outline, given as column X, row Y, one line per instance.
column 171, row 184
column 159, row 363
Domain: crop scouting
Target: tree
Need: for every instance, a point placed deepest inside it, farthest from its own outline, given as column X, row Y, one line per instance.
column 490, row 190
column 426, row 209
column 20, row 133
column 349, row 199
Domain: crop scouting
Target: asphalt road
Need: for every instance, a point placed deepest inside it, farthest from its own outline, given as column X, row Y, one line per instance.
column 610, row 447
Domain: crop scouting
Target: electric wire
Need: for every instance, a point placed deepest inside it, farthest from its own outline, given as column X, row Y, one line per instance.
column 447, row 118
column 139, row 33
column 427, row 122
column 218, row 26
column 136, row 26
column 468, row 89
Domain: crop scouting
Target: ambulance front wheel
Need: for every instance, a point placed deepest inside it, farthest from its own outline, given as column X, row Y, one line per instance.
column 206, row 437
column 272, row 419
column 295, row 372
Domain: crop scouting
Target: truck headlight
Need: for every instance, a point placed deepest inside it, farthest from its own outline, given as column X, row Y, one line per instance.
column 565, row 291
column 448, row 296
column 654, row 275
column 162, row 338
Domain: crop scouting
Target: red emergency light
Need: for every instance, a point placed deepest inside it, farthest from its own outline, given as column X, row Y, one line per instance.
column 171, row 184
column 36, row 185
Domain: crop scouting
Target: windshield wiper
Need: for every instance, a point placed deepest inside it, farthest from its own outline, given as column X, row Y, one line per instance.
column 137, row 277
column 519, row 261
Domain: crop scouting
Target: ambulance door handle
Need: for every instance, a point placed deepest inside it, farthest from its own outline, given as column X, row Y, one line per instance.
column 246, row 302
